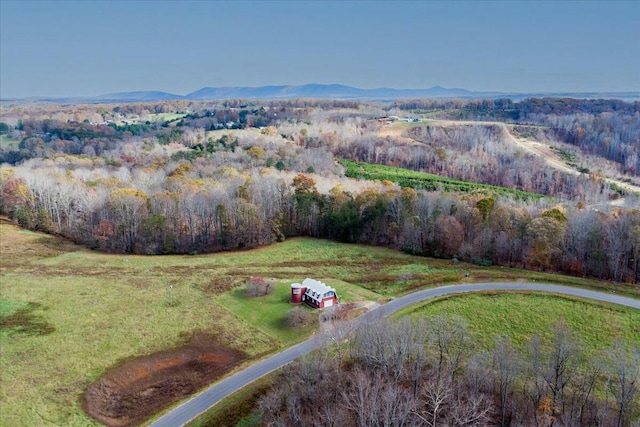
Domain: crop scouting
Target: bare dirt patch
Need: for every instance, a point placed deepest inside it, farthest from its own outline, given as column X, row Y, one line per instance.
column 135, row 390
column 396, row 132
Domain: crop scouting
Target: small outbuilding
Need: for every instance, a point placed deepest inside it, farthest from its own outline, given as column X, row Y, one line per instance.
column 314, row 293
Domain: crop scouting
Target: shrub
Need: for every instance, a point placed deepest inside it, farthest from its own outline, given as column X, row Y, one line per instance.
column 299, row 317
column 482, row 262
column 258, row 287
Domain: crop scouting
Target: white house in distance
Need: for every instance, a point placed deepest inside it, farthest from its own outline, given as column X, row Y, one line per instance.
column 314, row 293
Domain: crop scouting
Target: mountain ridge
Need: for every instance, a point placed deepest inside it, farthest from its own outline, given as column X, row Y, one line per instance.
column 321, row 91
column 327, row 91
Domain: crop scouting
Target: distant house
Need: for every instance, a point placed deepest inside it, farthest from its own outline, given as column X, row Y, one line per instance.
column 314, row 293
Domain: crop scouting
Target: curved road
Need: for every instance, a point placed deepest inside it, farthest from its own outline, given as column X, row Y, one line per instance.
column 200, row 403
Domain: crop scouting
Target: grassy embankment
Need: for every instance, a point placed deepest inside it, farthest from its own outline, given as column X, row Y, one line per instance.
column 521, row 315
column 68, row 314
column 426, row 181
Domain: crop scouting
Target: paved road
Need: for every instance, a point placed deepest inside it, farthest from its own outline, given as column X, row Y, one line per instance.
column 190, row 409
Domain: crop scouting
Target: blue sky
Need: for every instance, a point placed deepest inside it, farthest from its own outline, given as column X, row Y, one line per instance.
column 80, row 48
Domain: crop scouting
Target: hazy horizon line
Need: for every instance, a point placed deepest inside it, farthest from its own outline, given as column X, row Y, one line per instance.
column 479, row 92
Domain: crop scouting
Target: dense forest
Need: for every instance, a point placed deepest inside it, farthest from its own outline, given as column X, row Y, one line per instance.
column 194, row 177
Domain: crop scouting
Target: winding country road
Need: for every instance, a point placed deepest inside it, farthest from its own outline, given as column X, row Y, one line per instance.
column 190, row 409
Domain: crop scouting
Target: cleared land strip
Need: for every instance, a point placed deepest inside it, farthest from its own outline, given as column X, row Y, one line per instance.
column 542, row 150
column 530, row 146
column 190, row 409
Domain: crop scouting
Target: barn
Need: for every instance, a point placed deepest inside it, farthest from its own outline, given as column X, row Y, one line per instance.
column 314, row 293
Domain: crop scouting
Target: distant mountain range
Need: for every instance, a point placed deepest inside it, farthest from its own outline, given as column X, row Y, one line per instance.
column 315, row 91
column 325, row 91
column 322, row 91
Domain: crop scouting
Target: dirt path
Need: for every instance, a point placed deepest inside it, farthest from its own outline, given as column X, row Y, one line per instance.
column 541, row 150
column 555, row 161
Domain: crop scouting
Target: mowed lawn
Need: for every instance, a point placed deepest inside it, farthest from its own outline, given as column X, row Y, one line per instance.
column 268, row 313
column 165, row 117
column 69, row 314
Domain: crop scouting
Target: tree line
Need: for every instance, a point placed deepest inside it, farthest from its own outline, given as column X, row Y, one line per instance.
column 181, row 210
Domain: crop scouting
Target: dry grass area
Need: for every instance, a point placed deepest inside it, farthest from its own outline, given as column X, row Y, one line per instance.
column 397, row 132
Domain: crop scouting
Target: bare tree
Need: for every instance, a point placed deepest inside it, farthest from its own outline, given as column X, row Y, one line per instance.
column 583, row 406
column 385, row 346
column 450, row 339
column 623, row 379
column 563, row 356
column 435, row 396
column 258, row 287
column 505, row 364
column 535, row 384
column 299, row 317
column 471, row 410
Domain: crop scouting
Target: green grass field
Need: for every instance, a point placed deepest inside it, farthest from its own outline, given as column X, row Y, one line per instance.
column 268, row 313
column 519, row 316
column 68, row 314
column 165, row 117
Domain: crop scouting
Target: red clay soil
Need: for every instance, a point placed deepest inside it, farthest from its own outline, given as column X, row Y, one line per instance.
column 132, row 392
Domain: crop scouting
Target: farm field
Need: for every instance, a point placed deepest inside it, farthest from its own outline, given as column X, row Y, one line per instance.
column 165, row 117
column 80, row 313
column 425, row 181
